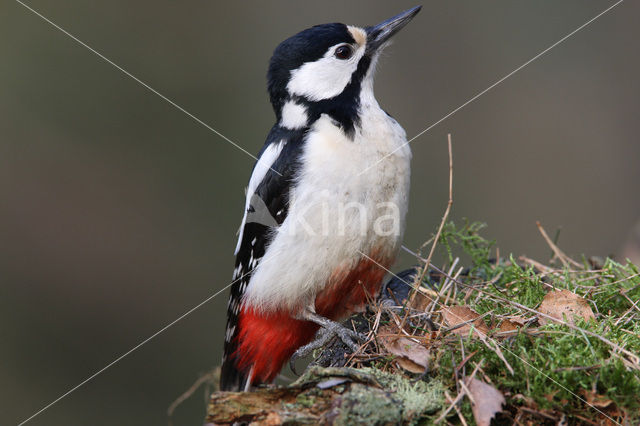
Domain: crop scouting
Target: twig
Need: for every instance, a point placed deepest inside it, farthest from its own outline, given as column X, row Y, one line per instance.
column 465, row 360
column 460, row 416
column 187, row 394
column 498, row 352
column 538, row 413
column 455, row 401
column 444, row 217
column 578, row 368
column 542, row 268
column 462, row 324
column 452, row 404
column 556, row 250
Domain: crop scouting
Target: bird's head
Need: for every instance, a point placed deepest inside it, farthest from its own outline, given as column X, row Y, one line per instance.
column 326, row 69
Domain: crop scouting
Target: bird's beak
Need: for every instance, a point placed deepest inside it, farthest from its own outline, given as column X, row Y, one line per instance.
column 379, row 34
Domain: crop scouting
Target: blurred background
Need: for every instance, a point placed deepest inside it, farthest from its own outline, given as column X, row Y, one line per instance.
column 118, row 212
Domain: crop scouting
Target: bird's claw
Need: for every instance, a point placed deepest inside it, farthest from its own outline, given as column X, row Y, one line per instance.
column 349, row 337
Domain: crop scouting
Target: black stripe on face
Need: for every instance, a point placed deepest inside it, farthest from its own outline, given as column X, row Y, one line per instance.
column 344, row 108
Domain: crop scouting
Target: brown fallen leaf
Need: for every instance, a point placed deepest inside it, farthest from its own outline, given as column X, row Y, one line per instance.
column 599, row 401
column 455, row 315
column 411, row 356
column 420, row 301
column 549, row 396
column 410, row 366
column 507, row 325
column 486, row 401
column 518, row 320
column 563, row 302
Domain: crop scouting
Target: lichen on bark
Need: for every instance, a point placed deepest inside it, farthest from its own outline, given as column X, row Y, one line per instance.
column 338, row 396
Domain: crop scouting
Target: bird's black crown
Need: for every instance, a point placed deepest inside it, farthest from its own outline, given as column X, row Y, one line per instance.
column 306, row 46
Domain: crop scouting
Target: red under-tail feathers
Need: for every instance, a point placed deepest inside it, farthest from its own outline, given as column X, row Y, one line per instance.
column 266, row 341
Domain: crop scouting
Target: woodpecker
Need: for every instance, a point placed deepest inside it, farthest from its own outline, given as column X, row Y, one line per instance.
column 325, row 206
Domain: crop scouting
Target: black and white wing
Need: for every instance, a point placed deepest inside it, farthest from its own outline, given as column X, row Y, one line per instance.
column 266, row 207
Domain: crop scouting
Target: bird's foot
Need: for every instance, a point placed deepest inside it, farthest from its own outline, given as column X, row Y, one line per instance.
column 329, row 330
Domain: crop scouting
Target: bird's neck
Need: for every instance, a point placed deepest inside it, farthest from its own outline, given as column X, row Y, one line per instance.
column 346, row 110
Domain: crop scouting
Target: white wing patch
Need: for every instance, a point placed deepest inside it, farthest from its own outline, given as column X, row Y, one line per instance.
column 267, row 159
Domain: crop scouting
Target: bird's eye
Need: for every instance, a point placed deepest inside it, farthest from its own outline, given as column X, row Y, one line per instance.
column 344, row 52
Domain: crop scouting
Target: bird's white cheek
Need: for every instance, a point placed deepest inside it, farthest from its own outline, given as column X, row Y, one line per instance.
column 323, row 79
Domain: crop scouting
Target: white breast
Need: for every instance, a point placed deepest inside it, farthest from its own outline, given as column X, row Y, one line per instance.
column 340, row 206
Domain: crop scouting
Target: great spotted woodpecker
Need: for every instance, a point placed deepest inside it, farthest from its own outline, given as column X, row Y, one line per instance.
column 325, row 205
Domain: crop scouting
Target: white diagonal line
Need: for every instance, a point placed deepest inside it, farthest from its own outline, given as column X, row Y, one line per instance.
column 124, row 355
column 497, row 83
column 265, row 258
column 506, row 349
column 142, row 83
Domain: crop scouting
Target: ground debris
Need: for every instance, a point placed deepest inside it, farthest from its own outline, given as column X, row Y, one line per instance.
column 486, row 401
column 340, row 396
column 410, row 355
column 460, row 319
column 564, row 305
column 547, row 344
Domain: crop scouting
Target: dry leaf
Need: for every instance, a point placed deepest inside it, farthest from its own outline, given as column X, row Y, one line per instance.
column 512, row 323
column 486, row 401
column 454, row 315
column 420, row 301
column 410, row 366
column 411, row 356
column 507, row 325
column 518, row 320
column 599, row 401
column 557, row 303
column 549, row 396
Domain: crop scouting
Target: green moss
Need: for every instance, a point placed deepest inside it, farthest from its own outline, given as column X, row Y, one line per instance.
column 557, row 365
column 305, row 400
